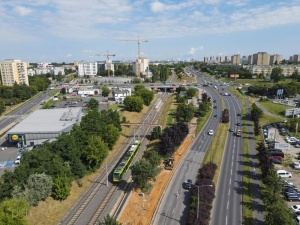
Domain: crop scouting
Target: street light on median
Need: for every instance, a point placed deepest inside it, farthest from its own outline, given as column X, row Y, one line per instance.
column 198, row 186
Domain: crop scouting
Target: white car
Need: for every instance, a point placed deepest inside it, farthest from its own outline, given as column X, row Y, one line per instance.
column 211, row 132
column 295, row 208
column 18, row 160
column 296, row 165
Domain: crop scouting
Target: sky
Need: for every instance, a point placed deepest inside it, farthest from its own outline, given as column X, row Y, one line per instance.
column 75, row 30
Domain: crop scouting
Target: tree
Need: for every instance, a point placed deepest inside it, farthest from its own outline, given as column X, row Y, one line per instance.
column 277, row 214
column 63, row 91
column 110, row 135
column 105, row 91
column 152, row 157
column 13, row 211
column 256, row 113
column 95, row 152
column 142, row 172
column 61, row 188
column 185, row 112
column 2, row 106
column 133, row 103
column 191, row 92
column 156, row 133
column 37, row 188
column 276, row 74
column 93, row 104
column 146, row 95
column 225, row 116
column 108, row 220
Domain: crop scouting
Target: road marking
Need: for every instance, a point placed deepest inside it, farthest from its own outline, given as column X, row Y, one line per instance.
column 231, row 171
column 227, row 205
column 229, row 192
column 230, row 181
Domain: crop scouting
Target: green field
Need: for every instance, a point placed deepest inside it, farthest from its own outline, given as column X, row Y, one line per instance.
column 275, row 108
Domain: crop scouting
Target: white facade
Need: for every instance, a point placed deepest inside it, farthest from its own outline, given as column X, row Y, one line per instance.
column 87, row 90
column 87, row 68
column 144, row 65
column 287, row 70
column 119, row 94
column 59, row 70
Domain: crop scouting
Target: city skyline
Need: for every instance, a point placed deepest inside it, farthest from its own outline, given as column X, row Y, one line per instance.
column 67, row 31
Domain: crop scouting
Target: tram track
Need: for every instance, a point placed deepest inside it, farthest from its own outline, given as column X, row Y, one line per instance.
column 81, row 206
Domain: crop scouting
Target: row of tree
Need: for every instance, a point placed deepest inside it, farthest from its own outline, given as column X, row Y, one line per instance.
column 50, row 168
column 276, row 209
column 136, row 102
column 202, row 196
column 160, row 72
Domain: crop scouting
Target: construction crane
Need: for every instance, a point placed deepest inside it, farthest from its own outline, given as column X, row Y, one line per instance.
column 138, row 40
column 108, row 61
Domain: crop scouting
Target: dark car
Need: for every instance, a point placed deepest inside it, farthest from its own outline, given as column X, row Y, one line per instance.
column 239, row 124
column 188, row 184
column 215, row 107
column 277, row 161
column 238, row 114
column 216, row 115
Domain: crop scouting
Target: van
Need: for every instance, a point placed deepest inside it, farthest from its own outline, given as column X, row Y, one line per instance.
column 284, row 174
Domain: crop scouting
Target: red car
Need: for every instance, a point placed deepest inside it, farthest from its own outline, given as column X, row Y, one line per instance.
column 276, row 157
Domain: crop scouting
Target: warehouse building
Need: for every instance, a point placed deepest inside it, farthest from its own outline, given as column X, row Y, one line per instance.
column 44, row 125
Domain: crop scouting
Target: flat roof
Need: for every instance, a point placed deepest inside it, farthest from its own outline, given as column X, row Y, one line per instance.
column 48, row 121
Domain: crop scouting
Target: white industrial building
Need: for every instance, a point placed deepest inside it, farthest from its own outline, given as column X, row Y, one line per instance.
column 44, row 125
column 87, row 69
column 87, row 90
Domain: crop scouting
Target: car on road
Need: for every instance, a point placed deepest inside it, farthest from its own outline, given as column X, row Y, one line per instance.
column 238, row 114
column 187, row 184
column 239, row 124
column 211, row 132
column 231, row 129
column 216, row 115
column 215, row 107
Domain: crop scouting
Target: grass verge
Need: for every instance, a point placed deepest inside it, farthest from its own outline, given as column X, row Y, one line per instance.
column 278, row 109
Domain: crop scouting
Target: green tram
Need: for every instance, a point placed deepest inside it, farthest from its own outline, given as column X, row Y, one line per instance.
column 125, row 162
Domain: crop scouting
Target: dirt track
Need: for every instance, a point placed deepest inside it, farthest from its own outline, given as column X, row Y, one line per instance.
column 139, row 210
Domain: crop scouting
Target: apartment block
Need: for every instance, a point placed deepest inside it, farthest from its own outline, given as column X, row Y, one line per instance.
column 206, row 59
column 14, row 70
column 261, row 59
column 144, row 66
column 250, row 59
column 87, row 68
column 235, row 60
column 219, row 59
column 296, row 58
column 227, row 59
column 275, row 59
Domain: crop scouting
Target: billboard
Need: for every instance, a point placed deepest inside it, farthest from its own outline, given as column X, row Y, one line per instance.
column 271, row 134
column 234, row 75
column 282, row 146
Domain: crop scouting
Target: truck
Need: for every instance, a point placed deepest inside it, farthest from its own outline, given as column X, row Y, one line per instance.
column 239, row 133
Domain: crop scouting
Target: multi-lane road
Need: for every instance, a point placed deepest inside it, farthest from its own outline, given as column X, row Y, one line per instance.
column 227, row 208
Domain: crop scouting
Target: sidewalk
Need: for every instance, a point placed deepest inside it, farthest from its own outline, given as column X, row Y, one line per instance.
column 267, row 112
column 255, row 188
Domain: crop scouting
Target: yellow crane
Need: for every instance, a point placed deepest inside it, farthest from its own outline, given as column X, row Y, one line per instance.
column 108, row 60
column 138, row 40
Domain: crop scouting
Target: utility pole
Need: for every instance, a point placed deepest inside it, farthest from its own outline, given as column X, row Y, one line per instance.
column 138, row 40
column 107, row 61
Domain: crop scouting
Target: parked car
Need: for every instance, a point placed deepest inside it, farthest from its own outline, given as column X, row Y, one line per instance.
column 276, row 161
column 296, row 165
column 18, row 160
column 295, row 207
column 284, row 174
column 293, row 198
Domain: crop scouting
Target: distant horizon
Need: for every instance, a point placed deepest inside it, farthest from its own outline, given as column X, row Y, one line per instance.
column 68, row 31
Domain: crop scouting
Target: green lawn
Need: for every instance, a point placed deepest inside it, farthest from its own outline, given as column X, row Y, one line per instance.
column 272, row 107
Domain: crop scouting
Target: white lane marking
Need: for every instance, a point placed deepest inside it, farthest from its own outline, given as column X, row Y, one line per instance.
column 226, row 219
column 173, row 210
column 229, row 192
column 227, row 204
column 230, row 181
column 231, row 171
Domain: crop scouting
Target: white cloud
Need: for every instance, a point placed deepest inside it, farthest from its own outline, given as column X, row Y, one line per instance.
column 69, row 55
column 23, row 11
column 193, row 51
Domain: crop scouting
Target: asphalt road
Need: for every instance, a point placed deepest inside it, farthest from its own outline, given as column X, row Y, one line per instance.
column 175, row 202
column 227, row 208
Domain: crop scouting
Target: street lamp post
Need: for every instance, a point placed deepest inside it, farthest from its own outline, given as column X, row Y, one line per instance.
column 198, row 196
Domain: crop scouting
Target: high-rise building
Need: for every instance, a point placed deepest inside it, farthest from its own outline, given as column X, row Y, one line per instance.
column 236, row 60
column 206, row 59
column 261, row 59
column 296, row 58
column 250, row 59
column 227, row 59
column 275, row 59
column 219, row 59
column 144, row 66
column 87, row 68
column 14, row 70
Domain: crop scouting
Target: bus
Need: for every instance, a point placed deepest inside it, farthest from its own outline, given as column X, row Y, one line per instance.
column 125, row 162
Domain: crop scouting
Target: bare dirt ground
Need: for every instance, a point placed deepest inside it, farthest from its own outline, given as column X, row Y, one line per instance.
column 139, row 210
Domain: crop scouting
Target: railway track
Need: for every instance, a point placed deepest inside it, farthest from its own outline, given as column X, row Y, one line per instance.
column 82, row 204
